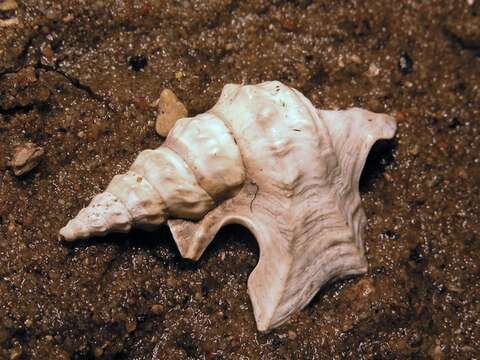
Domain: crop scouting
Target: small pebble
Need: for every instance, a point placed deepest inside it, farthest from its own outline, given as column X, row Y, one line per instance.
column 365, row 287
column 8, row 5
column 436, row 353
column 198, row 295
column 399, row 116
column 388, row 177
column 11, row 228
column 356, row 59
column 68, row 18
column 9, row 22
column 462, row 174
column 26, row 158
column 288, row 24
column 373, row 70
column 43, row 94
column 292, row 335
column 51, row 13
column 27, row 76
column 414, row 150
column 157, row 309
column 170, row 109
column 16, row 352
column 131, row 325
column 131, row 300
column 434, row 181
column 47, row 52
column 98, row 352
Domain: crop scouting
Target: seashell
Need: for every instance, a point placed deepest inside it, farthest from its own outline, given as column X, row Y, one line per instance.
column 265, row 158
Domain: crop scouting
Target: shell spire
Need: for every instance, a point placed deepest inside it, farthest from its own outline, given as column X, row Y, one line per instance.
column 198, row 165
column 265, row 158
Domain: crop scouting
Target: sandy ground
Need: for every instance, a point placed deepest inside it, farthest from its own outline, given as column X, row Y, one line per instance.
column 78, row 78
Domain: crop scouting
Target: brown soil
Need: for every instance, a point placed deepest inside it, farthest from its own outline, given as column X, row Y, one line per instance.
column 78, row 78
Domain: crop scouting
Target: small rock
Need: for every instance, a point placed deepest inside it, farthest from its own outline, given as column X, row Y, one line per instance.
column 287, row 24
column 8, row 5
column 130, row 325
column 47, row 52
column 178, row 75
column 468, row 349
column 157, row 309
column 16, row 352
column 26, row 76
column 436, row 352
column 347, row 325
column 52, row 13
column 9, row 22
column 98, row 352
column 405, row 63
column 292, row 335
column 399, row 116
column 364, row 288
column 414, row 150
column 26, row 158
column 388, row 177
column 434, row 181
column 11, row 228
column 170, row 109
column 373, row 70
column 68, row 18
column 356, row 59
column 198, row 295
column 462, row 174
column 454, row 287
column 43, row 93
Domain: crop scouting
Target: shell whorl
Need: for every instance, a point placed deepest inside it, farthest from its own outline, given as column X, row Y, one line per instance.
column 198, row 166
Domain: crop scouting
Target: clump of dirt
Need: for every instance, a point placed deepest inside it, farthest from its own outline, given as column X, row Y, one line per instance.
column 77, row 79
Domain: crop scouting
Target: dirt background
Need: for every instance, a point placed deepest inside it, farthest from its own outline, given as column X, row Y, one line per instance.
column 78, row 78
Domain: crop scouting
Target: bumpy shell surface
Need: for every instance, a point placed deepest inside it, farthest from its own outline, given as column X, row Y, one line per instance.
column 265, row 158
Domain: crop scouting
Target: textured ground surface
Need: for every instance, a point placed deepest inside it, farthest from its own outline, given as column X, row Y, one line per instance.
column 78, row 78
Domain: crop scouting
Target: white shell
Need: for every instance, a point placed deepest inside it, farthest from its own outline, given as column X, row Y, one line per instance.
column 271, row 162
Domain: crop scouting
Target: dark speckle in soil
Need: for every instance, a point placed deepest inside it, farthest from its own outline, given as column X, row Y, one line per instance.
column 137, row 62
column 76, row 78
column 405, row 63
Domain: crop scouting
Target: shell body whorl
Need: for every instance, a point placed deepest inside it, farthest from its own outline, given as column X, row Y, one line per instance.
column 265, row 158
